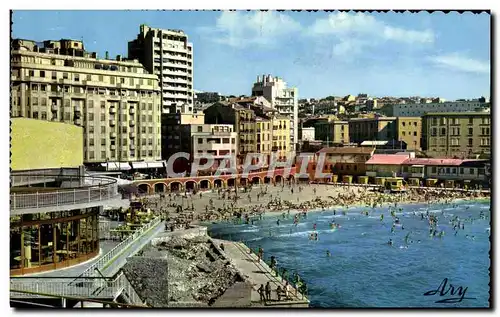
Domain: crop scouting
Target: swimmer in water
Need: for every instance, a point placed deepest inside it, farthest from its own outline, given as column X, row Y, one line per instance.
column 314, row 226
column 278, row 222
column 390, row 242
column 407, row 237
column 328, row 254
column 381, row 217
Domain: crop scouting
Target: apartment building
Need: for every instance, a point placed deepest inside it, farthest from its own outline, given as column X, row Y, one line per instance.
column 334, row 132
column 283, row 99
column 218, row 140
column 459, row 134
column 272, row 126
column 264, row 137
column 169, row 55
column 419, row 109
column 243, row 120
column 260, row 129
column 117, row 102
column 407, row 129
column 176, row 133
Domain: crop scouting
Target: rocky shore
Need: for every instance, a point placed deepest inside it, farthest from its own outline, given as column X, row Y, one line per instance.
column 187, row 270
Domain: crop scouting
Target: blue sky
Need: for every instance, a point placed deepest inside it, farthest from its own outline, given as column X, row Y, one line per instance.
column 320, row 53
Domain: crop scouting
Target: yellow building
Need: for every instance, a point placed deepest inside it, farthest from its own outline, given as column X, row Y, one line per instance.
column 409, row 130
column 334, row 132
column 457, row 134
column 281, row 136
column 115, row 101
column 263, row 133
column 37, row 144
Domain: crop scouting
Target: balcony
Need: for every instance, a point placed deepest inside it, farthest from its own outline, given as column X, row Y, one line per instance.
column 112, row 122
column 88, row 190
column 131, row 111
column 132, row 135
column 112, row 135
column 132, row 123
column 113, row 147
column 77, row 108
column 112, row 110
column 54, row 107
column 132, row 146
column 371, row 173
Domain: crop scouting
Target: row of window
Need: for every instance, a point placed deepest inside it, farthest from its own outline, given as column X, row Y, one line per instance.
column 409, row 123
column 216, row 140
column 457, row 121
column 113, row 154
column 90, row 90
column 456, row 142
column 403, row 133
column 455, row 131
column 453, row 170
column 124, row 142
column 89, row 77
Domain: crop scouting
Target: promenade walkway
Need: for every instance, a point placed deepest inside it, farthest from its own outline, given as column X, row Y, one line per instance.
column 258, row 272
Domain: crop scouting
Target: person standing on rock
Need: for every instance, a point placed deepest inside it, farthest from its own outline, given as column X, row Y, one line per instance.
column 268, row 291
column 261, row 293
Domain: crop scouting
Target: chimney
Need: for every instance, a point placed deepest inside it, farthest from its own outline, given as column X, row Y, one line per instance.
column 107, row 55
column 258, row 78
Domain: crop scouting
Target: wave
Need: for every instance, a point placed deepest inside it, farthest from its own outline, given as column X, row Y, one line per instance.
column 250, row 230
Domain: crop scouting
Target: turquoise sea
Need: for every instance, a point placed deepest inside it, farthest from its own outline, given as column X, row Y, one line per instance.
column 363, row 270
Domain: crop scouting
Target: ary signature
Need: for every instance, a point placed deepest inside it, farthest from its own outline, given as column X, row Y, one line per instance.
column 455, row 293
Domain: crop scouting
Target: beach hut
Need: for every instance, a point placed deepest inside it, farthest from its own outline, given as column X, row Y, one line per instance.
column 335, row 178
column 380, row 181
column 347, row 179
column 431, row 182
column 449, row 183
column 362, row 179
column 414, row 181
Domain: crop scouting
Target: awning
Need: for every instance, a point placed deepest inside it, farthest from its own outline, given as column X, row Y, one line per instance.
column 140, row 165
column 418, row 166
column 116, row 166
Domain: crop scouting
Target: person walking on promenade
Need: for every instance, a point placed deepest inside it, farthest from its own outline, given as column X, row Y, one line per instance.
column 261, row 293
column 278, row 292
column 260, row 254
column 287, row 290
column 268, row 291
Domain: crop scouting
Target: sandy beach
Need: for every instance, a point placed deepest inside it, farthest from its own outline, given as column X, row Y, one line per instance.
column 180, row 210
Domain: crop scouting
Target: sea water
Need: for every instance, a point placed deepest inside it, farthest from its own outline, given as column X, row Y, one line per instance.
column 363, row 270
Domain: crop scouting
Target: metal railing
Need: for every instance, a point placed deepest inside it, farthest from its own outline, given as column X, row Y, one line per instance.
column 273, row 275
column 89, row 284
column 94, row 189
column 84, row 288
column 117, row 250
